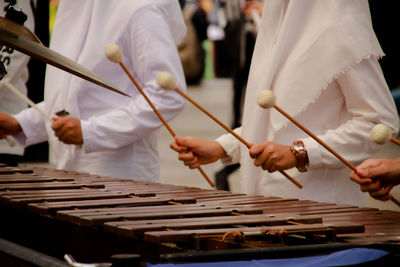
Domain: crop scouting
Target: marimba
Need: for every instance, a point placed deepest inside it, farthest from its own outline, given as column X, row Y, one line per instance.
column 95, row 218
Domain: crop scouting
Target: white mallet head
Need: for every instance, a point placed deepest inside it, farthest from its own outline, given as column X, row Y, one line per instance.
column 113, row 53
column 381, row 134
column 166, row 81
column 266, row 99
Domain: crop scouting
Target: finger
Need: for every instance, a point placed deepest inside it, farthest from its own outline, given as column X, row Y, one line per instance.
column 360, row 180
column 57, row 123
column 182, row 141
column 255, row 150
column 194, row 160
column 60, row 132
column 66, row 139
column 367, row 163
column 381, row 198
column 186, row 156
column 259, row 161
column 178, row 148
column 191, row 162
column 263, row 157
column 195, row 163
column 257, row 156
column 370, row 169
column 382, row 192
column 374, row 186
column 266, row 165
column 194, row 166
column 354, row 177
column 385, row 198
column 65, row 135
column 273, row 168
column 189, row 142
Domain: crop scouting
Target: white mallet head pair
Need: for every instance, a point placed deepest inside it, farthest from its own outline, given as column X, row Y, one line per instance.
column 380, row 134
column 164, row 79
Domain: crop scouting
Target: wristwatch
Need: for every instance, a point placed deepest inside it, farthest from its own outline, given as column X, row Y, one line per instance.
column 299, row 151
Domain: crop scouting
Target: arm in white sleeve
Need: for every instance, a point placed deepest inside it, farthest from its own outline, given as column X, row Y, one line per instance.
column 33, row 126
column 150, row 48
column 370, row 102
column 231, row 145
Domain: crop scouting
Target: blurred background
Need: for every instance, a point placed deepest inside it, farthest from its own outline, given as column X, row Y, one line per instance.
column 216, row 55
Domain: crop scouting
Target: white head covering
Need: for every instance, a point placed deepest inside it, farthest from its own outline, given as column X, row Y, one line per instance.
column 74, row 21
column 86, row 25
column 302, row 46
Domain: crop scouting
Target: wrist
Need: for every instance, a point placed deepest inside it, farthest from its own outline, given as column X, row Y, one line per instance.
column 14, row 127
column 221, row 153
column 300, row 153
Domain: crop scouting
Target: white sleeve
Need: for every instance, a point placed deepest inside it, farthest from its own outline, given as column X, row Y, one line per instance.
column 369, row 101
column 231, row 145
column 33, row 126
column 152, row 50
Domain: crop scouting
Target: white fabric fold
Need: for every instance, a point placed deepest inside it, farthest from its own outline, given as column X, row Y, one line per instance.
column 308, row 30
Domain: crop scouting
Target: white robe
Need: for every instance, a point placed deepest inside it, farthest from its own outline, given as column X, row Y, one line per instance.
column 119, row 133
column 320, row 59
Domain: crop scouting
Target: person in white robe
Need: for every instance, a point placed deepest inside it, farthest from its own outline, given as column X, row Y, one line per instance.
column 320, row 59
column 118, row 135
column 16, row 65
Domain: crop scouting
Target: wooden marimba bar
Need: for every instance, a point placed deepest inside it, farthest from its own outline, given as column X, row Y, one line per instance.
column 94, row 217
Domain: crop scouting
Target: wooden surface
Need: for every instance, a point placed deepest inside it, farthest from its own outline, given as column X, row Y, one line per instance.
column 179, row 215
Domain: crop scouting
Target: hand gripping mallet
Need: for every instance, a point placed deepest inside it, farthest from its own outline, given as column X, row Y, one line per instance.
column 168, row 82
column 114, row 54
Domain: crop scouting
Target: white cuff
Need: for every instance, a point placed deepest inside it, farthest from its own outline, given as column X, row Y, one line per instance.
column 313, row 152
column 232, row 148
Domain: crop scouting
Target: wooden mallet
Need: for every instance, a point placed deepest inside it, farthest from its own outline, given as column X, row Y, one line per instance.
column 266, row 99
column 114, row 54
column 168, row 82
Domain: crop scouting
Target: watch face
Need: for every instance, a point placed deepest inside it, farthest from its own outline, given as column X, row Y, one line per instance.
column 299, row 149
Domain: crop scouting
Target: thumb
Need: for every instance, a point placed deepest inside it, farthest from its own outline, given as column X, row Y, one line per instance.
column 362, row 172
column 57, row 123
column 375, row 171
column 371, row 171
column 179, row 140
column 255, row 150
column 183, row 141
